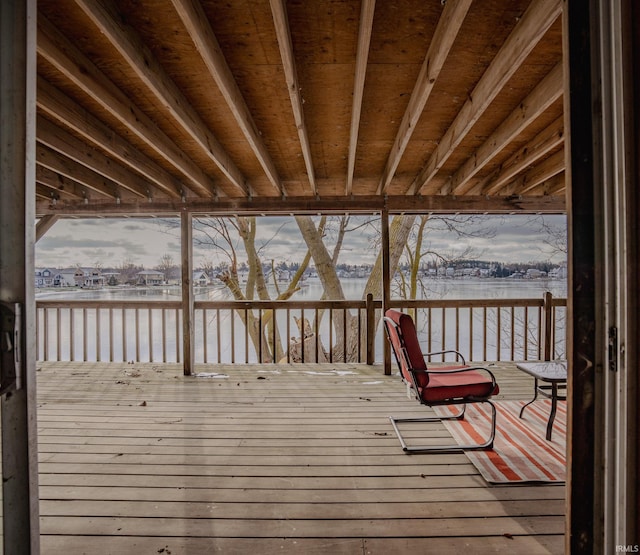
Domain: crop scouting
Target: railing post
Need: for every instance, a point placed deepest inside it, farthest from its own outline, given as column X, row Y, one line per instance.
column 548, row 313
column 370, row 330
column 188, row 335
column 386, row 284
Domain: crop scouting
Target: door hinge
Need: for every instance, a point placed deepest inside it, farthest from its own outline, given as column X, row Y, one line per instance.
column 10, row 345
column 613, row 349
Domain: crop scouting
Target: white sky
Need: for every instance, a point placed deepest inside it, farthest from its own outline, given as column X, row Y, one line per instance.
column 144, row 241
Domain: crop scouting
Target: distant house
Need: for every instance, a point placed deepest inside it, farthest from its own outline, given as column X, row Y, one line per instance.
column 558, row 273
column 43, row 277
column 149, row 277
column 534, row 273
column 200, row 279
column 88, row 277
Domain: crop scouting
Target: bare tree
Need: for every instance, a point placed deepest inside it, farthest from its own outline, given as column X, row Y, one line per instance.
column 167, row 266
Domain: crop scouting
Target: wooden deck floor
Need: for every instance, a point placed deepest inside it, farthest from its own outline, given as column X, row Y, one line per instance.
column 290, row 459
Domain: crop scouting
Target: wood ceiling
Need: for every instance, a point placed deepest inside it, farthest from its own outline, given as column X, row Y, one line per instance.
column 150, row 106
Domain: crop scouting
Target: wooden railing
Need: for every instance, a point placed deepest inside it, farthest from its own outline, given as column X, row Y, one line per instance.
column 336, row 331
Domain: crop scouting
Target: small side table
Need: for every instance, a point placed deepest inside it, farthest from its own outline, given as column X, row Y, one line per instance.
column 553, row 373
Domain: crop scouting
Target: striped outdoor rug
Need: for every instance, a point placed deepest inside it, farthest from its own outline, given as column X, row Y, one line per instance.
column 521, row 453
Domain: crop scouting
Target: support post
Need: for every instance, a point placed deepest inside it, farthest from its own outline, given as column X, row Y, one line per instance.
column 386, row 284
column 371, row 330
column 584, row 530
column 20, row 515
column 188, row 323
column 548, row 335
column 45, row 224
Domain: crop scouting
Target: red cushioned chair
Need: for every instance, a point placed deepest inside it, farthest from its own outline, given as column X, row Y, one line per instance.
column 450, row 385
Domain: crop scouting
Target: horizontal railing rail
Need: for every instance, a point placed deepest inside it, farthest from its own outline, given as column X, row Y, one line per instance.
column 296, row 331
column 491, row 329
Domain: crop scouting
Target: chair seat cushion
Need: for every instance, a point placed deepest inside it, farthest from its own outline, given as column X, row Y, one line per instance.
column 459, row 385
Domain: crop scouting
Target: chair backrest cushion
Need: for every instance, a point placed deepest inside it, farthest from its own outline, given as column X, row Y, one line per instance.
column 404, row 341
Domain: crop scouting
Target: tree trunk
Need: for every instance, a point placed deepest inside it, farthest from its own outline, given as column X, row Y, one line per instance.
column 399, row 231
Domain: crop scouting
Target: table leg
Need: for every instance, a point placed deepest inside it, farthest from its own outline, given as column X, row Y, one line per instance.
column 535, row 396
column 554, row 404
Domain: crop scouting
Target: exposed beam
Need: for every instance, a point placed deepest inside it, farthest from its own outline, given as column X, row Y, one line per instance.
column 542, row 171
column 367, row 11
column 552, row 186
column 195, row 20
column 76, row 67
column 73, row 170
column 44, row 224
column 548, row 91
column 68, row 113
column 70, row 146
column 58, row 185
column 303, row 205
column 530, row 29
column 443, row 38
column 279, row 12
column 542, row 144
column 140, row 58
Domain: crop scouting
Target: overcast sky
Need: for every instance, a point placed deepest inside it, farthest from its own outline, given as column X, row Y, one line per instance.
column 144, row 241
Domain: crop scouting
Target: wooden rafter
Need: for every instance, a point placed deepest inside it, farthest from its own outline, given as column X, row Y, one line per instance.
column 448, row 27
column 58, row 186
column 552, row 186
column 540, row 146
column 76, row 67
column 69, row 114
column 279, row 12
column 527, row 33
column 195, row 20
column 67, row 145
column 546, row 169
column 367, row 11
column 546, row 93
column 140, row 58
column 73, row 170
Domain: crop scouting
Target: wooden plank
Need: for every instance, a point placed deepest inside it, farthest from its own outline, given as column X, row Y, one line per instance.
column 443, row 38
column 305, row 451
column 281, row 22
column 311, row 510
column 467, row 204
column 548, row 91
column 527, row 33
column 538, row 545
column 54, row 488
column 188, row 295
column 541, row 145
column 61, row 108
column 104, row 464
column 71, row 147
column 365, row 28
column 195, row 21
column 43, row 225
column 299, row 528
column 57, row 50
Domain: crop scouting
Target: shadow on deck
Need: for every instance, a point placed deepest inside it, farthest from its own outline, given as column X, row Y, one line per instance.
column 265, row 459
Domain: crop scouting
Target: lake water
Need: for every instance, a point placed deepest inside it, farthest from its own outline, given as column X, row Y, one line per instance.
column 353, row 288
column 152, row 335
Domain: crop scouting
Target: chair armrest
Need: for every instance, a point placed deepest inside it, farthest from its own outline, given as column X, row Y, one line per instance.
column 460, row 370
column 459, row 355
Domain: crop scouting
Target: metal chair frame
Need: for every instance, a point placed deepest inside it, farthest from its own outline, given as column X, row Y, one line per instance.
column 390, row 324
